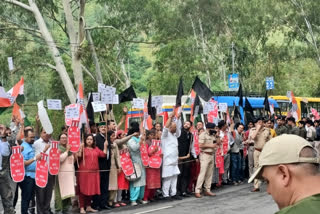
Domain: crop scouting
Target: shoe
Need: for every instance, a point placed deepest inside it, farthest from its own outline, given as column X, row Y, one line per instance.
column 209, row 194
column 235, row 183
column 255, row 190
column 133, row 203
column 197, row 195
column 166, row 199
column 176, row 197
column 240, row 182
column 185, row 195
column 145, row 202
column 139, row 202
column 116, row 205
column 105, row 208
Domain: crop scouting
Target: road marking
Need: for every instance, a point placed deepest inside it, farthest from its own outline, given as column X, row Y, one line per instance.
column 149, row 211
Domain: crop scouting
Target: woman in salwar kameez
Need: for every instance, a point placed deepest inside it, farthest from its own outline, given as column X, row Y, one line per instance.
column 65, row 187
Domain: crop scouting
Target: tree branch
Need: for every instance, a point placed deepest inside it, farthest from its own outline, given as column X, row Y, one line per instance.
column 20, row 28
column 48, row 65
column 88, row 72
column 20, row 4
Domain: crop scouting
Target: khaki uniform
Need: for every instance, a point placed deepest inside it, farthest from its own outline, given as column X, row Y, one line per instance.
column 206, row 163
column 262, row 138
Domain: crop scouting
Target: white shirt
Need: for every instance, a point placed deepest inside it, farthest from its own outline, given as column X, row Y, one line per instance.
column 169, row 145
column 4, row 151
column 39, row 146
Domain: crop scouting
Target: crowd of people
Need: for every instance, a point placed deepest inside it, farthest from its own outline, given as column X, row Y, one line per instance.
column 196, row 160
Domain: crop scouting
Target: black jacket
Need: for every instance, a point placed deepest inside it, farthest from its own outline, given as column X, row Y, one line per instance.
column 184, row 143
column 104, row 163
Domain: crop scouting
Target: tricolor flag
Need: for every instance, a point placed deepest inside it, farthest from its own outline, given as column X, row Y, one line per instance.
column 147, row 121
column 18, row 89
column 17, row 112
column 4, row 98
column 83, row 113
column 295, row 111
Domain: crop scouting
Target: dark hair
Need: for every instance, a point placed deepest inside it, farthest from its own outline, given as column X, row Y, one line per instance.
column 221, row 124
column 63, row 128
column 61, row 135
column 309, row 122
column 150, row 132
column 189, row 122
column 26, row 132
column 85, row 140
column 134, row 128
column 201, row 129
column 109, row 121
column 302, row 122
column 109, row 133
column 237, row 125
column 291, row 119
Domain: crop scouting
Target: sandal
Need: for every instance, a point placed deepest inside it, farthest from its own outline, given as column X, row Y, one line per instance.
column 83, row 211
column 116, row 205
column 123, row 204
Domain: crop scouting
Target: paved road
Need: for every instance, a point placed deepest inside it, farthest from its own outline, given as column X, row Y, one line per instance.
column 229, row 200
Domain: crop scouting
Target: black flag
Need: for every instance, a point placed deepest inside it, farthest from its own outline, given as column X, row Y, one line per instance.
column 127, row 95
column 202, row 90
column 197, row 108
column 89, row 109
column 266, row 102
column 247, row 106
column 152, row 111
column 235, row 113
column 179, row 93
column 239, row 94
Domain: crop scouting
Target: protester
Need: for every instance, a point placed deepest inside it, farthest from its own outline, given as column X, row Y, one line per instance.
column 115, row 168
column 208, row 143
column 170, row 169
column 184, row 148
column 269, row 124
column 153, row 177
column 101, row 201
column 260, row 135
column 236, row 160
column 65, row 187
column 6, row 192
column 249, row 143
column 88, row 175
column 290, row 166
column 291, row 126
column 311, row 131
column 302, row 129
column 28, row 184
column 281, row 128
column 123, row 183
column 44, row 195
column 136, row 187
column 225, row 139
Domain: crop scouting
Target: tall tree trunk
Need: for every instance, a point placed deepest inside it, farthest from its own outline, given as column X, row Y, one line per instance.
column 94, row 57
column 60, row 67
column 75, row 40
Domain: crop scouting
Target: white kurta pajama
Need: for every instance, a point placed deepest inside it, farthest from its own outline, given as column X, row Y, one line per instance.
column 170, row 169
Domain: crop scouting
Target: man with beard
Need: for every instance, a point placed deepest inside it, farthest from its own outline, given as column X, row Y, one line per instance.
column 101, row 201
column 208, row 143
column 28, row 184
column 184, row 147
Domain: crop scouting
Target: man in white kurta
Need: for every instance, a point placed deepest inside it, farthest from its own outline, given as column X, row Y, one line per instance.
column 169, row 144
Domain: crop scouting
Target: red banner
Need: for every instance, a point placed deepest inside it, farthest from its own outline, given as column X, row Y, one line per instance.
column 144, row 155
column 155, row 160
column 225, row 142
column 17, row 164
column 54, row 158
column 126, row 162
column 196, row 142
column 74, row 136
column 42, row 171
column 245, row 151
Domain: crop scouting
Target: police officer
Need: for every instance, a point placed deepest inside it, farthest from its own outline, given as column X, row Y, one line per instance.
column 281, row 128
column 208, row 143
column 259, row 135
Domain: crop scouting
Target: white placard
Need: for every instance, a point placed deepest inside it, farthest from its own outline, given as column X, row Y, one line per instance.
column 138, row 103
column 115, row 99
column 223, row 107
column 10, row 63
column 54, row 104
column 205, row 109
column 210, row 106
column 101, row 87
column 159, row 109
column 72, row 112
column 157, row 101
column 107, row 96
column 95, row 96
column 98, row 106
column 44, row 118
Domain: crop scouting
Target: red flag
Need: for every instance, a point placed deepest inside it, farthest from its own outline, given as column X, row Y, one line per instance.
column 192, row 97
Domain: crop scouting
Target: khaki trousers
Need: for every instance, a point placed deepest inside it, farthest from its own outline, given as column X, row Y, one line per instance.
column 250, row 160
column 256, row 155
column 206, row 172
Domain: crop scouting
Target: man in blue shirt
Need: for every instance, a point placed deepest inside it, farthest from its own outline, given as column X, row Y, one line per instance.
column 28, row 184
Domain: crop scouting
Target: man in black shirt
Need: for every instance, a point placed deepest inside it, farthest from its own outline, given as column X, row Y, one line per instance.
column 100, row 201
column 184, row 148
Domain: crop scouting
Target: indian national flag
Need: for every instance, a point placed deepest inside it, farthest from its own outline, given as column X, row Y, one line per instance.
column 4, row 99
column 18, row 89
